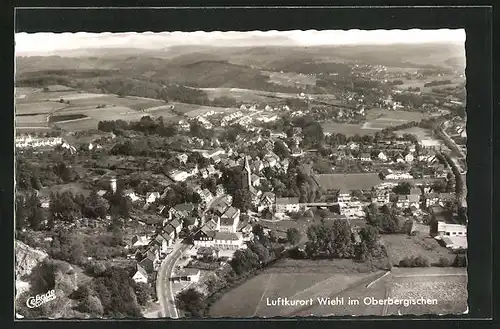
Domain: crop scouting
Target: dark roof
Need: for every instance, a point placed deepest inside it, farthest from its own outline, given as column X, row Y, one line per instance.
column 226, row 236
column 202, row 232
column 175, row 223
column 230, row 212
column 169, row 229
column 147, row 265
column 227, row 221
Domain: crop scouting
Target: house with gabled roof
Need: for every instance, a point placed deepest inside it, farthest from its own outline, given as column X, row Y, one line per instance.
column 228, row 241
column 381, row 156
column 141, row 276
column 229, row 220
column 204, row 238
column 266, row 201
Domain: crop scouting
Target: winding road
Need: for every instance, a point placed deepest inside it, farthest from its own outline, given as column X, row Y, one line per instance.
column 164, row 284
column 164, row 289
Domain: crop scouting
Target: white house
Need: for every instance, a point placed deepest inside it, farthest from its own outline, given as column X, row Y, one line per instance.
column 409, row 157
column 343, row 196
column 228, row 241
column 182, row 158
column 382, row 156
column 445, row 229
column 131, row 195
column 284, row 205
column 152, row 197
column 266, row 201
column 365, row 157
column 140, row 276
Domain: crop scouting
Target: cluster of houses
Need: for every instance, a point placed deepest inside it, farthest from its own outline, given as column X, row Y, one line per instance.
column 28, row 141
column 154, row 249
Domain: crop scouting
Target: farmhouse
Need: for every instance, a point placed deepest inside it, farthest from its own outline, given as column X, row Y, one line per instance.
column 440, row 228
column 228, row 241
column 284, row 205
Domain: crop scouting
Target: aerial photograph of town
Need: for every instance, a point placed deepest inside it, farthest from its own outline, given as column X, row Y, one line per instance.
column 253, row 174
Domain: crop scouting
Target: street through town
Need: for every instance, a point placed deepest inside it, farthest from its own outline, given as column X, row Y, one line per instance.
column 164, row 284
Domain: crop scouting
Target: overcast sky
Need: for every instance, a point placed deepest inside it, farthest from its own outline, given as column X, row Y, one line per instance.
column 49, row 42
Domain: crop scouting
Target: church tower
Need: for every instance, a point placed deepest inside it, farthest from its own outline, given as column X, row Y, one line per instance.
column 246, row 175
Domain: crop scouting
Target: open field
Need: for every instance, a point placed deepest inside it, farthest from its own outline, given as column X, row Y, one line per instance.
column 347, row 129
column 38, row 108
column 31, row 121
column 303, row 282
column 447, row 285
column 85, row 104
column 399, row 116
column 290, row 78
column 348, row 181
column 94, row 116
column 400, row 246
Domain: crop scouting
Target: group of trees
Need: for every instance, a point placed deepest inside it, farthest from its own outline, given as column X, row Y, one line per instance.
column 383, row 218
column 117, row 293
column 330, row 240
column 34, row 176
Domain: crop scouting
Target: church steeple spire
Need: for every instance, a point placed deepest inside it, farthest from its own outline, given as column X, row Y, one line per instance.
column 246, row 174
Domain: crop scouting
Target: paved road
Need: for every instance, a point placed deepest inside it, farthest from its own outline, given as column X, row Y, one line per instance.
column 163, row 283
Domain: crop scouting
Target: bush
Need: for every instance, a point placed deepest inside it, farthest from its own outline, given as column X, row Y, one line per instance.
column 418, row 261
column 444, row 262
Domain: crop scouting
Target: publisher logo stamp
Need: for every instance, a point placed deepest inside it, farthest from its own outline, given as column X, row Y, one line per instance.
column 34, row 302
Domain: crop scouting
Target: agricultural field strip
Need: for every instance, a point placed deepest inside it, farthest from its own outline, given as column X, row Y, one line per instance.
column 263, row 294
column 360, row 282
column 312, row 287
